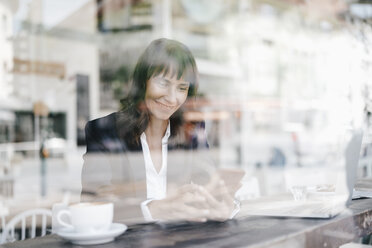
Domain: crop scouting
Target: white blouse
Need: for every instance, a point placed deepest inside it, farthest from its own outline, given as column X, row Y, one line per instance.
column 156, row 183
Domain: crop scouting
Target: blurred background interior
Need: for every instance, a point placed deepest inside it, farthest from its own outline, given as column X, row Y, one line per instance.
column 282, row 84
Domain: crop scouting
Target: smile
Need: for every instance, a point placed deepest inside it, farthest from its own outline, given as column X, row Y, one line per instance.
column 164, row 106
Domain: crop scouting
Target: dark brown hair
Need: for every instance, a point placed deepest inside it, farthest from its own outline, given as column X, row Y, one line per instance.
column 162, row 56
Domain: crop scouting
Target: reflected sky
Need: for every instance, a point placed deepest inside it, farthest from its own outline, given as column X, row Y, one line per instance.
column 53, row 12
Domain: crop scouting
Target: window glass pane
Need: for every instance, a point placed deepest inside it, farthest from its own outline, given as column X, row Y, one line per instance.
column 176, row 110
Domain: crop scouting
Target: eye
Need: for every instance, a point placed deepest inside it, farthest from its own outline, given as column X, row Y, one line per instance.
column 184, row 88
column 162, row 83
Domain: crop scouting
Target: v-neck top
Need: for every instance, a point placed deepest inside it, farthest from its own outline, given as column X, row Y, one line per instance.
column 156, row 183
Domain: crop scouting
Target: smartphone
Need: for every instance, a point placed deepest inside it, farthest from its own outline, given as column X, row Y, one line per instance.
column 231, row 178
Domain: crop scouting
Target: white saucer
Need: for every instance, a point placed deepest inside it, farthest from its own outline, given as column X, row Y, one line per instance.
column 93, row 238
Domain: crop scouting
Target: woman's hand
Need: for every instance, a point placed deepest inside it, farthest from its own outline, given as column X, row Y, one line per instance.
column 222, row 203
column 185, row 203
column 192, row 202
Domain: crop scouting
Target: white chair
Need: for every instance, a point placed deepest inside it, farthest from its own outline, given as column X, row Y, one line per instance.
column 8, row 234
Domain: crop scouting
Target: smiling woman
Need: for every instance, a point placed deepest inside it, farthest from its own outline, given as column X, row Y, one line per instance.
column 151, row 122
column 165, row 76
column 164, row 96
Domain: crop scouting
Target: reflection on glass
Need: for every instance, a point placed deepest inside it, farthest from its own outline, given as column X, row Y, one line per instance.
column 299, row 193
column 135, row 147
column 282, row 85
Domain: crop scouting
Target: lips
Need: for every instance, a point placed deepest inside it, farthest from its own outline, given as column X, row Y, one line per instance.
column 164, row 106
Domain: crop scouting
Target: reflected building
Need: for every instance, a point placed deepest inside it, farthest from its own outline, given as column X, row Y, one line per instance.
column 50, row 62
column 274, row 93
column 7, row 118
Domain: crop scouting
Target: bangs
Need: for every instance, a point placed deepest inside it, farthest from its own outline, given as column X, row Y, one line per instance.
column 174, row 69
column 163, row 57
column 187, row 72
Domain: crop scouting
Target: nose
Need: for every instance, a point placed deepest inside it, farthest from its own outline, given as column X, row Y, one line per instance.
column 171, row 96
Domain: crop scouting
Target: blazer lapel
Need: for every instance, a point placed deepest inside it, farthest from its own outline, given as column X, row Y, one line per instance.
column 134, row 167
column 137, row 173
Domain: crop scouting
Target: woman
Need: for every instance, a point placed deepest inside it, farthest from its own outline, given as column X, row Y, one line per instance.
column 151, row 121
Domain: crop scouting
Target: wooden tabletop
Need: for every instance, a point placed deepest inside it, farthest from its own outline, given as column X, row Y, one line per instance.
column 244, row 232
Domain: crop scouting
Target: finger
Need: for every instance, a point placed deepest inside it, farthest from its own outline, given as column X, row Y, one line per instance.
column 179, row 192
column 209, row 198
column 187, row 188
column 196, row 194
column 188, row 213
column 185, row 212
column 227, row 200
column 193, row 211
column 225, row 193
column 225, row 206
column 177, row 211
column 220, row 214
column 196, row 200
column 219, row 210
column 229, row 203
column 202, row 220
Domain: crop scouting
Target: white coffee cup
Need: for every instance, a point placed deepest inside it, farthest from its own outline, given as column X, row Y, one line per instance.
column 89, row 217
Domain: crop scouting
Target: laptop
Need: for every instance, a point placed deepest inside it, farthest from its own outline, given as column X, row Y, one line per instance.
column 323, row 205
column 363, row 188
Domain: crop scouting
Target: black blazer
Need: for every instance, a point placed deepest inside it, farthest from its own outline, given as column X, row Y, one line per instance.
column 114, row 169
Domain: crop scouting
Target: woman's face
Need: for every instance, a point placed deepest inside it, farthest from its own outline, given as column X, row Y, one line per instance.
column 165, row 95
